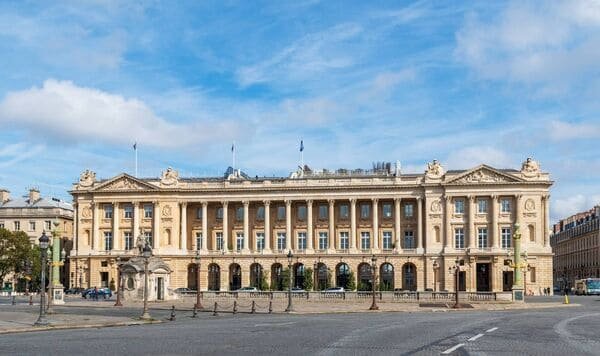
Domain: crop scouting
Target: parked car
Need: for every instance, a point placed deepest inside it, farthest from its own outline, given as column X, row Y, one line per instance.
column 333, row 290
column 298, row 290
column 90, row 293
column 185, row 291
column 74, row 290
column 247, row 289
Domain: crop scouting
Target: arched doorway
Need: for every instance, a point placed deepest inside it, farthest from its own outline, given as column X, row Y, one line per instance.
column 277, row 276
column 386, row 279
column 256, row 272
column 322, row 276
column 298, row 275
column 214, row 277
column 342, row 275
column 235, row 276
column 409, row 277
column 192, row 276
column 365, row 277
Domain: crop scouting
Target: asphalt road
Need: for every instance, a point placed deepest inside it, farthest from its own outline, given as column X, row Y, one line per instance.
column 558, row 331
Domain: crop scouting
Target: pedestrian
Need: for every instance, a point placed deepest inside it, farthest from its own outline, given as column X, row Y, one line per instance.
column 96, row 293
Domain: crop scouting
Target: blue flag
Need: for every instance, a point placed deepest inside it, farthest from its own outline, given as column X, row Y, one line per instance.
column 135, row 146
column 301, row 145
column 232, row 147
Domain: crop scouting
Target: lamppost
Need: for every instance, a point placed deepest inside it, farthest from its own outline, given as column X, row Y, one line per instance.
column 146, row 254
column 58, row 258
column 456, row 269
column 436, row 266
column 374, row 277
column 42, row 321
column 80, row 276
column 517, row 288
column 197, row 259
column 290, row 275
column 119, row 283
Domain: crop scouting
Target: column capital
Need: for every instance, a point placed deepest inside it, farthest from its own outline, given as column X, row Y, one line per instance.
column 471, row 197
column 353, row 200
column 245, row 203
column 309, row 201
column 545, row 196
column 225, row 203
column 183, row 204
column 114, row 202
column 419, row 198
column 155, row 202
column 331, row 201
column 267, row 202
column 375, row 200
column 519, row 196
column 397, row 200
column 288, row 202
column 494, row 197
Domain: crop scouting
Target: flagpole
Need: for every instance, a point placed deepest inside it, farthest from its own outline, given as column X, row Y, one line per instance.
column 136, row 159
column 233, row 155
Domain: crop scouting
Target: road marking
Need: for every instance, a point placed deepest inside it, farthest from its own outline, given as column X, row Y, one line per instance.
column 475, row 337
column 452, row 349
column 492, row 329
column 274, row 324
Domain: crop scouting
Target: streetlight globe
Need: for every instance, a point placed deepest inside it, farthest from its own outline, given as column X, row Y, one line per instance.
column 63, row 254
column 44, row 241
column 147, row 251
column 290, row 256
column 197, row 257
column 373, row 259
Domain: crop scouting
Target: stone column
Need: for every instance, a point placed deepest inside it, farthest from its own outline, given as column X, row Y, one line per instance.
column 495, row 231
column 116, row 232
column 205, row 226
column 156, row 224
column 96, row 227
column 472, row 234
column 309, row 224
column 518, row 219
column 397, row 224
column 136, row 220
column 246, row 227
column 546, row 225
column 375, row 224
column 448, row 221
column 76, row 230
column 267, row 225
column 183, row 232
column 225, row 226
column 353, row 237
column 332, row 245
column 419, row 223
column 288, row 225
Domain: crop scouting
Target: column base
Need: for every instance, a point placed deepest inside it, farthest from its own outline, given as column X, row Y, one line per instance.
column 57, row 295
column 518, row 293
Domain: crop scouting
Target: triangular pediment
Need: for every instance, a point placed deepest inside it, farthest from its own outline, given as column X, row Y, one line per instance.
column 483, row 174
column 124, row 182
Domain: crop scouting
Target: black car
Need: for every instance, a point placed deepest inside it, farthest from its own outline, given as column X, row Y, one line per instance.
column 92, row 293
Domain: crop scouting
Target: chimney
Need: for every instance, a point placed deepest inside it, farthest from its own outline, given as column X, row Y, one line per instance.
column 34, row 195
column 4, row 196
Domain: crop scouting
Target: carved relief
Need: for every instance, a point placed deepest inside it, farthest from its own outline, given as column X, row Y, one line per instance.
column 86, row 212
column 169, row 177
column 434, row 170
column 124, row 184
column 166, row 211
column 87, row 178
column 529, row 205
column 482, row 176
column 435, row 206
column 530, row 168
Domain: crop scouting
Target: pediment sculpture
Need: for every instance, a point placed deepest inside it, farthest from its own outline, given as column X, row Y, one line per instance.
column 434, row 170
column 530, row 168
column 482, row 176
column 87, row 178
column 169, row 177
column 124, row 183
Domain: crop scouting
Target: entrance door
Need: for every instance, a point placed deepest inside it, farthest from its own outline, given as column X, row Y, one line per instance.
column 160, row 295
column 483, row 277
column 104, row 279
column 462, row 281
column 507, row 281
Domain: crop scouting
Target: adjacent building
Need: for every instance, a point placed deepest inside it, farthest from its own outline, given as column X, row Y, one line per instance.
column 333, row 222
column 34, row 214
column 576, row 245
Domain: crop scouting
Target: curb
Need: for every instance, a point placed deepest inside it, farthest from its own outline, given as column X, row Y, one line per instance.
column 84, row 326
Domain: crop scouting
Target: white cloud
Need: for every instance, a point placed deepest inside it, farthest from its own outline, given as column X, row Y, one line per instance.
column 560, row 130
column 470, row 157
column 564, row 207
column 61, row 110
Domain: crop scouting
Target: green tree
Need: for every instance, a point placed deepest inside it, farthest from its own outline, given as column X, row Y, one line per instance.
column 308, row 279
column 15, row 250
column 264, row 284
column 351, row 281
column 329, row 278
column 285, row 278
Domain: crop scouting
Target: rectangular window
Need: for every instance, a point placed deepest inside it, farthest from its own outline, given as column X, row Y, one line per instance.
column 322, row 212
column 260, row 241
column 302, row 241
column 239, row 241
column 387, row 210
column 239, row 213
column 506, row 237
column 365, row 211
column 260, row 213
column 532, row 274
column 302, row 212
column 128, row 241
column 148, row 211
column 482, row 206
column 365, row 240
column 505, row 206
column 48, row 225
column 344, row 240
column 32, row 226
column 323, row 240
column 281, row 241
column 387, row 240
column 281, row 212
column 482, row 237
column 459, row 237
column 108, row 211
column 344, row 211
column 219, row 240
column 408, row 210
column 1, row 224
column 199, row 214
column 108, row 241
column 459, row 206
column 128, row 211
column 17, row 226
column 149, row 238
column 198, row 241
column 409, row 239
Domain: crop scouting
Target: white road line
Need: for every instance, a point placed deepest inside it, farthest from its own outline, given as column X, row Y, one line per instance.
column 492, row 329
column 475, row 337
column 452, row 349
column 274, row 324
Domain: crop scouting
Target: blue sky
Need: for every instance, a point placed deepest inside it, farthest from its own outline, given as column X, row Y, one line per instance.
column 465, row 83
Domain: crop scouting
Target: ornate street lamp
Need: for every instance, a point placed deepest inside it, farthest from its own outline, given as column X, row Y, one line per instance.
column 456, row 274
column 374, row 279
column 44, row 240
column 436, row 266
column 146, row 254
column 290, row 275
column 197, row 259
column 119, row 283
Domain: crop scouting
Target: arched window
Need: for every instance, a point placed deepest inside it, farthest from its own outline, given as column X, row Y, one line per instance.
column 365, row 277
column 322, row 276
column 386, row 274
column 256, row 273
column 531, row 231
column 342, row 275
column 192, row 276
column 276, row 276
column 409, row 277
column 235, row 276
column 214, row 277
column 298, row 275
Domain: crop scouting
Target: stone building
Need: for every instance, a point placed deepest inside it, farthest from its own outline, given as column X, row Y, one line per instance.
column 576, row 247
column 33, row 214
column 417, row 225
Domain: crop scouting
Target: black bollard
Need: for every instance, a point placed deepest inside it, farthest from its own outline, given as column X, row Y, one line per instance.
column 194, row 312
column 253, row 307
column 14, row 300
column 270, row 306
column 172, row 318
column 234, row 306
column 215, row 310
column 30, row 299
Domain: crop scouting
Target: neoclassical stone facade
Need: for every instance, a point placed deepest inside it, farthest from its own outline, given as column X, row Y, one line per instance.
column 416, row 225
